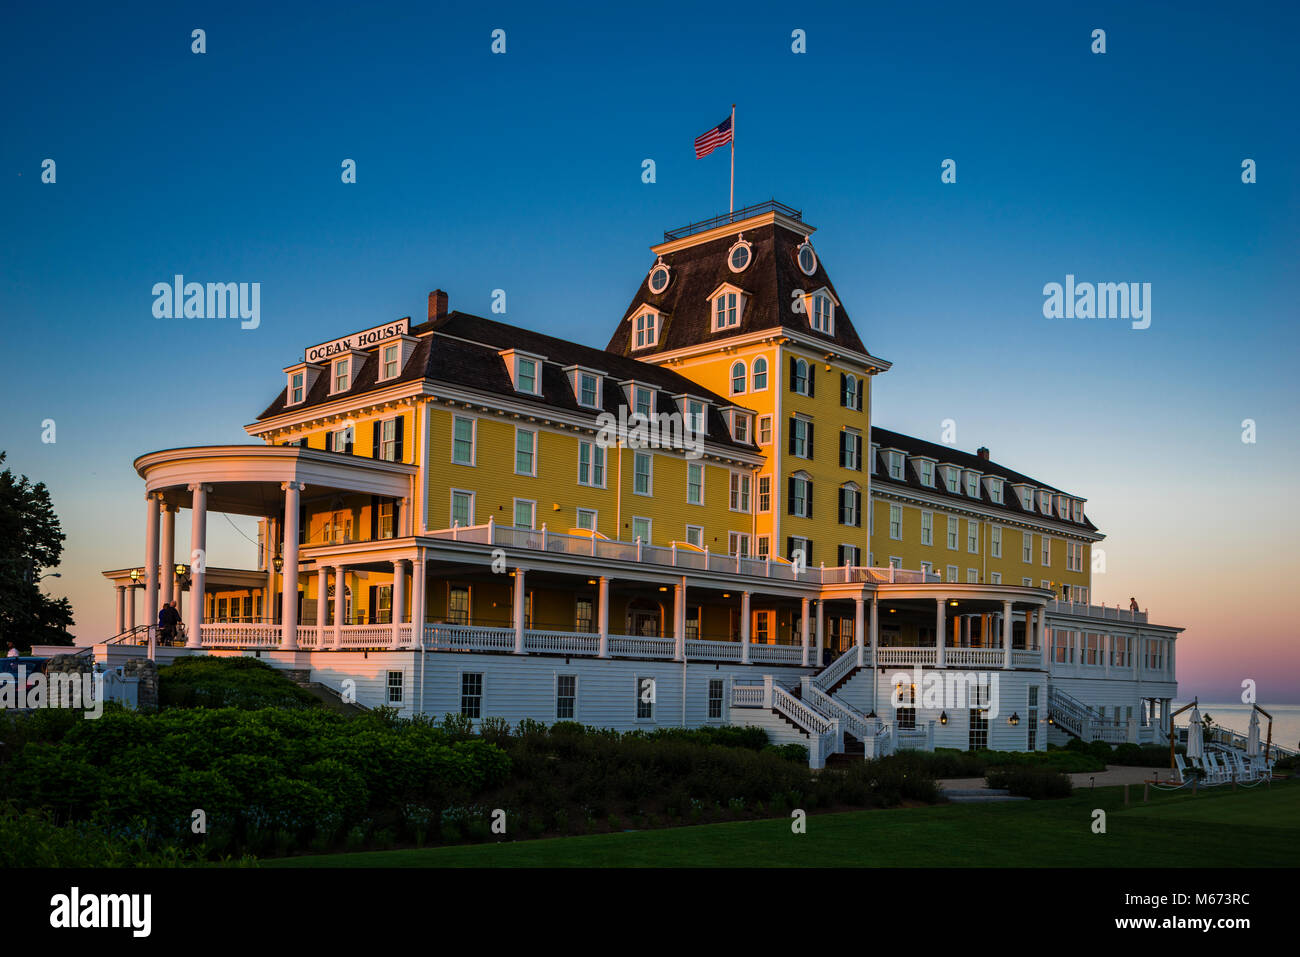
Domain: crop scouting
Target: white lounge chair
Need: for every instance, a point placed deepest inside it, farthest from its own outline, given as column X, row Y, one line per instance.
column 1180, row 769
column 1213, row 772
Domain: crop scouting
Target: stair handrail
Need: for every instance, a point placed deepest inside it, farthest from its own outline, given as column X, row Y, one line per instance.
column 804, row 715
column 851, row 719
column 837, row 669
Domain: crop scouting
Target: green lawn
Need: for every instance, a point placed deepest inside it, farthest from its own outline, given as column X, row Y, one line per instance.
column 1216, row 828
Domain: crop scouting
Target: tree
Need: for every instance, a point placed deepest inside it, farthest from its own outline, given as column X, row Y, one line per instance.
column 30, row 540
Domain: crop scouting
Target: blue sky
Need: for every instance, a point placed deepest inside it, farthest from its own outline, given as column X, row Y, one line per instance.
column 522, row 172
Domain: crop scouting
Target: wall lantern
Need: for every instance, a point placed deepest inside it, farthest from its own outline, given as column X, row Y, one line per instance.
column 943, row 717
column 278, row 562
column 1014, row 719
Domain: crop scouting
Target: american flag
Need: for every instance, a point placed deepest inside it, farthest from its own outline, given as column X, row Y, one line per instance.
column 706, row 143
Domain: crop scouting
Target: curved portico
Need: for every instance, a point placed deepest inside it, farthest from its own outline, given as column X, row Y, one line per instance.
column 268, row 482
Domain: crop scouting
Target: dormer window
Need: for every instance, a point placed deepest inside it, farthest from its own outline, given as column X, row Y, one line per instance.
column 1045, row 502
column 297, row 387
column 740, row 427
column 526, row 375
column 823, row 314
column 645, row 329
column 342, row 380
column 642, row 399
column 525, row 370
column 973, row 484
column 952, row 480
column 927, row 474
column 1078, row 510
column 301, row 378
column 391, row 361
column 587, row 390
column 695, row 410
column 726, row 311
column 995, row 491
column 895, row 465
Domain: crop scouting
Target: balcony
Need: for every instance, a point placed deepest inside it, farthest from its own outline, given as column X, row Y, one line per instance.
column 676, row 555
column 1095, row 611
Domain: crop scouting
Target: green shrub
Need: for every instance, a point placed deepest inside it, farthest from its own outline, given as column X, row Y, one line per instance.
column 1030, row 782
column 204, row 681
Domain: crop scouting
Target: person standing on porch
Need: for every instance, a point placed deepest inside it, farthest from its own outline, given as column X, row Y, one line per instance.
column 1133, row 604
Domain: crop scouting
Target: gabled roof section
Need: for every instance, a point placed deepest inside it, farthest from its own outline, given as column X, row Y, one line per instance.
column 946, row 454
column 770, row 281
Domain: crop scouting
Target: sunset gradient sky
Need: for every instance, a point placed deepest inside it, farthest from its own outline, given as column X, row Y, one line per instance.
column 523, row 172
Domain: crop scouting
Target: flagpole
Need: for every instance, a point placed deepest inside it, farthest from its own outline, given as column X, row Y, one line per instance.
column 733, row 158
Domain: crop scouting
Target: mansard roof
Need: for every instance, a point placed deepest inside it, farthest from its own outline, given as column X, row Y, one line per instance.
column 946, row 454
column 770, row 282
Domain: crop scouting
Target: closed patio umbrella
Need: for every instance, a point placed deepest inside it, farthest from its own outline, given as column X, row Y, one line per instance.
column 1252, row 735
column 1195, row 745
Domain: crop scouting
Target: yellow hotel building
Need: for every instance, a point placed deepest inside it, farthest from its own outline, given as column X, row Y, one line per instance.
column 696, row 524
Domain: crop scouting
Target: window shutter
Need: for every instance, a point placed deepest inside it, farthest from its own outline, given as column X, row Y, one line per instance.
column 839, row 555
column 812, row 378
column 844, row 448
column 789, row 547
column 302, row 523
column 789, row 496
column 841, row 507
column 347, row 448
column 810, row 439
column 807, row 552
column 793, row 377
column 808, row 489
column 791, row 435
column 401, row 421
column 329, row 441
column 862, row 387
column 861, row 453
column 376, row 430
column 371, row 606
column 374, row 518
column 857, row 508
column 844, row 389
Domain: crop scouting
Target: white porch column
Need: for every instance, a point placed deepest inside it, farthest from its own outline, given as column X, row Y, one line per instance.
column 418, row 603
column 744, row 626
column 198, row 560
column 152, row 504
column 803, row 631
column 168, row 559
column 1007, row 624
column 130, row 608
column 268, row 548
column 821, row 632
column 340, row 602
column 518, row 610
column 603, row 617
column 322, row 604
column 289, row 600
column 399, row 599
column 858, row 627
column 1169, row 659
column 1107, row 649
column 1040, row 628
column 120, row 594
column 940, row 639
column 679, row 620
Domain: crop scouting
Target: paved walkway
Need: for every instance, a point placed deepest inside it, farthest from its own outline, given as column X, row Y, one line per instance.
column 1115, row 774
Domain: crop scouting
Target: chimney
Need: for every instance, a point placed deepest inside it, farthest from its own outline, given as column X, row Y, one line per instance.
column 437, row 304
column 983, row 453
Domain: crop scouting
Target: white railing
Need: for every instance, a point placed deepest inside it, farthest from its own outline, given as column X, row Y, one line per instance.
column 713, row 650
column 600, row 548
column 631, row 646
column 974, row 657
column 469, row 638
column 1026, row 659
column 800, row 713
column 367, row 636
column 307, row 636
column 240, row 635
column 1095, row 611
column 781, row 654
column 747, row 696
column 894, row 657
column 829, row 676
column 851, row 720
column 562, row 642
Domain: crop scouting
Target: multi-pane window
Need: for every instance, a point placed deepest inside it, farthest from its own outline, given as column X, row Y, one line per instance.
column 927, row 528
column 952, row 532
column 738, row 544
column 388, row 440
column 566, row 696
column 850, row 505
column 995, row 535
column 645, row 698
column 800, row 496
column 896, row 522
column 395, row 687
column 695, row 484
column 741, row 430
column 760, row 374
column 740, row 491
column 765, row 493
column 849, row 554
column 526, row 376
column 725, row 311
column 587, row 519
column 972, row 576
column 972, row 536
column 951, row 479
column 1027, row 546
column 1074, row 556
column 587, row 389
column 851, row 392
column 765, row 430
column 591, row 464
column 525, row 513
column 695, row 415
column 642, row 477
column 525, row 452
column 391, row 364
column 341, row 381
column 646, row 325
column 583, row 616
column 462, row 508
column 695, row 535
column 471, row 694
column 641, row 529
column 995, row 578
column 906, row 714
column 801, row 438
column 715, row 698
column 1047, row 550
column 995, row 491
column 458, row 605
column 642, row 400
column 800, row 377
column 462, row 443
column 927, row 474
column 973, row 485
column 823, row 314
column 296, row 392
column 979, row 729
column 851, row 450
column 951, row 574
column 739, row 375
column 385, row 522
column 896, row 465
column 764, row 546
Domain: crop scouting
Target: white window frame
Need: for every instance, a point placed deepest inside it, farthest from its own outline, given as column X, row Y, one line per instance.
column 519, row 375
column 595, row 518
column 764, row 426
column 520, row 430
column 473, row 440
column 649, row 525
column 954, row 533
column 395, row 350
column 972, row 536
column 927, row 473
column 995, row 536
column 340, row 367
column 744, row 377
column 764, row 493
column 645, row 330
column 702, row 470
column 1047, row 551
column 755, row 371
column 739, row 490
column 896, row 523
column 700, row 536
column 514, row 512
column 300, row 387
column 649, row 473
column 927, row 528
column 595, row 451
column 451, row 505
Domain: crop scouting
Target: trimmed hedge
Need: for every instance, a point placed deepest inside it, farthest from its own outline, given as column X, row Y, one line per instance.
column 1031, row 782
column 204, row 681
